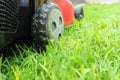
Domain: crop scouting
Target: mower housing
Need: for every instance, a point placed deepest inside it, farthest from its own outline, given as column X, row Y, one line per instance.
column 15, row 20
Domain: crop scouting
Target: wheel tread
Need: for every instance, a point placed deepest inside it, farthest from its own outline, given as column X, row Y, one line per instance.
column 39, row 27
column 39, row 34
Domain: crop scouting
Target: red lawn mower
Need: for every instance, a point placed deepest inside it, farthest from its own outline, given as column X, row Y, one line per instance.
column 36, row 21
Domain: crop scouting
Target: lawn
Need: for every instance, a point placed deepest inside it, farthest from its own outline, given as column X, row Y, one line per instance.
column 89, row 50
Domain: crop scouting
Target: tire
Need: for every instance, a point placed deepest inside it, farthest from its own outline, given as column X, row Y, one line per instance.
column 47, row 24
column 79, row 12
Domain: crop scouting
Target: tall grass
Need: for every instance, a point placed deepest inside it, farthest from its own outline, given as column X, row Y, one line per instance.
column 89, row 50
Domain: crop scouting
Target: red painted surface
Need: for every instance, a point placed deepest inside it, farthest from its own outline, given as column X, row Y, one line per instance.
column 67, row 10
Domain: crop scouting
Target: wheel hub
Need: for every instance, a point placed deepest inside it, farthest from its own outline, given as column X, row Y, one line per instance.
column 55, row 24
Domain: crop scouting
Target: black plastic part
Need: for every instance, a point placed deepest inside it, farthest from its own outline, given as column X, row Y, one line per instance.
column 8, row 15
column 26, row 12
column 8, row 20
column 78, row 12
column 15, row 20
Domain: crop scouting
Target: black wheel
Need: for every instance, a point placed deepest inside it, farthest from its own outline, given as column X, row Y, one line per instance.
column 47, row 24
column 79, row 12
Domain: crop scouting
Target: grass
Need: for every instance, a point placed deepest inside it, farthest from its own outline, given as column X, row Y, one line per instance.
column 89, row 50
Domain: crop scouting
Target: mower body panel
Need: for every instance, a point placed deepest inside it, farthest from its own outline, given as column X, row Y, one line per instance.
column 67, row 10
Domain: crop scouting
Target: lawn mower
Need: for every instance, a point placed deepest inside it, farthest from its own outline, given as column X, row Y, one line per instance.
column 34, row 21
